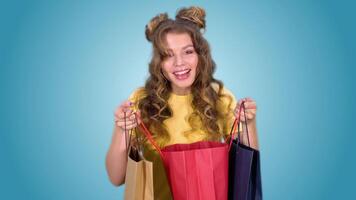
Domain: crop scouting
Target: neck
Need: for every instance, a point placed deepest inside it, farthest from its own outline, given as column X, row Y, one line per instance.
column 180, row 91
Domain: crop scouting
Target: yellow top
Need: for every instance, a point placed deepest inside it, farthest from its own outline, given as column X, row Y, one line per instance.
column 177, row 127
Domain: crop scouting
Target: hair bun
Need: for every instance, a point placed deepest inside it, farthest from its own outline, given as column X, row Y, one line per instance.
column 193, row 14
column 153, row 24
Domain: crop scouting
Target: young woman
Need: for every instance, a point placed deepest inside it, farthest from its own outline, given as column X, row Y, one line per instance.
column 181, row 101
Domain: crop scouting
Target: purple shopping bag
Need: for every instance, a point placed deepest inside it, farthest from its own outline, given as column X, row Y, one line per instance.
column 244, row 168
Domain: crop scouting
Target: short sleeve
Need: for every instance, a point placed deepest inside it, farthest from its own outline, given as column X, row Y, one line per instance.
column 136, row 96
column 227, row 107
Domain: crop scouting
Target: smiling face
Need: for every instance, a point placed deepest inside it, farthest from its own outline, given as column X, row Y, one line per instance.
column 180, row 66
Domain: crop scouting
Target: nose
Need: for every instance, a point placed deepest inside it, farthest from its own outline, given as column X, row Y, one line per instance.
column 178, row 61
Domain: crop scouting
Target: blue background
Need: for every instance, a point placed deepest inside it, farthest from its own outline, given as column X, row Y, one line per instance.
column 66, row 65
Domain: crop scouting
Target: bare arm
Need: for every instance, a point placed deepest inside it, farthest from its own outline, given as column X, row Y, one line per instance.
column 252, row 133
column 116, row 159
column 251, row 108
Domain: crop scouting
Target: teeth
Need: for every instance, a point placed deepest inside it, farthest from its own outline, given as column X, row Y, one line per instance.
column 182, row 72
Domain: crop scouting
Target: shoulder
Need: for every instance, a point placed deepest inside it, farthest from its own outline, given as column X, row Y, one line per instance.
column 137, row 95
column 225, row 92
column 227, row 98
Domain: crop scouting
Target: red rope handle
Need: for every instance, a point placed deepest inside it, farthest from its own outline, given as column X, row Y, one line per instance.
column 149, row 135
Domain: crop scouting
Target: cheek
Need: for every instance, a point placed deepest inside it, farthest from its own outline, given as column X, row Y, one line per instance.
column 165, row 67
column 194, row 63
column 165, row 70
column 168, row 65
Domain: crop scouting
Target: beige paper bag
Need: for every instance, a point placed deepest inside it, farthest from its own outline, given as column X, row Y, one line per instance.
column 139, row 177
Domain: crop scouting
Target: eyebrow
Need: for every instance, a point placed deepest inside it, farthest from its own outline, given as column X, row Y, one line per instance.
column 189, row 45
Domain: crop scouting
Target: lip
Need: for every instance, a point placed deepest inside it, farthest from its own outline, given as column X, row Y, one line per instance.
column 181, row 72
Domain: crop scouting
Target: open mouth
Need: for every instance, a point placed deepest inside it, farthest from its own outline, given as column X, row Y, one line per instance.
column 182, row 74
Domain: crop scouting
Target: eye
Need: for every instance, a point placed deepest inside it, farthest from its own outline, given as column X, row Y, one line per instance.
column 168, row 56
column 189, row 51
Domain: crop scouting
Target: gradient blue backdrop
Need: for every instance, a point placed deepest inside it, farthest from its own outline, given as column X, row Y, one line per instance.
column 66, row 65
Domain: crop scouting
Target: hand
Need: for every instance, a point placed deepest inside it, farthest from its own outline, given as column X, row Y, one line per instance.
column 124, row 114
column 251, row 108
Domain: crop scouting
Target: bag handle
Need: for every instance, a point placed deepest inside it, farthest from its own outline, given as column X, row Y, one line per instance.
column 237, row 120
column 127, row 138
column 233, row 130
column 238, row 131
column 138, row 142
column 147, row 133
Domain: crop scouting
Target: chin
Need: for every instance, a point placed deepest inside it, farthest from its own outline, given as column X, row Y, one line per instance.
column 183, row 84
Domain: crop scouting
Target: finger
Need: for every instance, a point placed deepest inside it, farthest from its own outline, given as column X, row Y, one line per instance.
column 127, row 121
column 237, row 112
column 123, row 114
column 128, row 116
column 123, row 123
column 119, row 112
column 242, row 110
column 248, row 99
column 237, row 108
column 249, row 105
column 250, row 116
column 242, row 118
column 251, row 113
column 249, row 110
column 124, row 106
column 129, row 127
column 241, row 115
